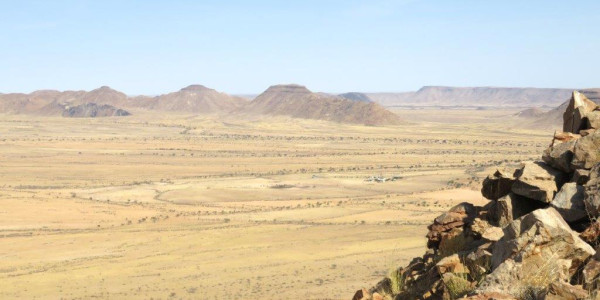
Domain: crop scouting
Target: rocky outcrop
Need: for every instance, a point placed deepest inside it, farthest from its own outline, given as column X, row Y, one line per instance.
column 498, row 184
column 575, row 117
column 569, row 202
column 535, row 239
column 93, row 110
column 538, row 181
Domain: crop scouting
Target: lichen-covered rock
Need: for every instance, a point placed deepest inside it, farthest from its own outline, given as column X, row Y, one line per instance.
column 482, row 229
column 541, row 232
column 538, row 181
column 560, row 155
column 593, row 120
column 586, row 151
column 536, row 250
column 498, row 184
column 563, row 291
column 592, row 192
column 569, row 202
column 590, row 273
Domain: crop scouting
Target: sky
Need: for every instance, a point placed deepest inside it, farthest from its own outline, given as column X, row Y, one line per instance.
column 242, row 47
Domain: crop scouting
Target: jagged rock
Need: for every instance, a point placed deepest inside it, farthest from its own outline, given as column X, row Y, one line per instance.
column 578, row 108
column 537, row 249
column 479, row 262
column 510, row 207
column 593, row 120
column 585, row 152
column 561, row 137
column 592, row 233
column 569, row 202
column 581, row 176
column 482, row 229
column 592, row 192
column 498, row 184
column 456, row 217
column 564, row 291
column 560, row 155
column 591, row 271
column 538, row 181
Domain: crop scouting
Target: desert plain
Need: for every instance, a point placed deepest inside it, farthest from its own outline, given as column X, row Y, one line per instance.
column 176, row 206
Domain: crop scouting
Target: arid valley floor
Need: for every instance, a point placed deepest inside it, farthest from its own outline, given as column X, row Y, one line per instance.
column 178, row 206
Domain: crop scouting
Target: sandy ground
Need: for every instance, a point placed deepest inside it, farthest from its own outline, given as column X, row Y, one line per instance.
column 200, row 207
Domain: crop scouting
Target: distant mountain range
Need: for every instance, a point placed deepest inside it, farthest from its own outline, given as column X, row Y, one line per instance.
column 287, row 100
column 291, row 100
column 474, row 97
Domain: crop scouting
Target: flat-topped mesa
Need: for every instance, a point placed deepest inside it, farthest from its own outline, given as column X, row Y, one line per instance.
column 288, row 88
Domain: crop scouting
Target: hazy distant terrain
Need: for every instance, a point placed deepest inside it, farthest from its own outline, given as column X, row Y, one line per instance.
column 474, row 97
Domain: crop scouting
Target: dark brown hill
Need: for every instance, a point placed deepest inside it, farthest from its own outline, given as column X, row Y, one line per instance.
column 93, row 110
column 299, row 102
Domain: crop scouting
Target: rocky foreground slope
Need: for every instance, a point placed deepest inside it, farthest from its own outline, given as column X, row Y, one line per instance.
column 537, row 238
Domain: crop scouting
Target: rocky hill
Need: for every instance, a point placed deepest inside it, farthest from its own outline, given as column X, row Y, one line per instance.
column 197, row 99
column 361, row 97
column 93, row 110
column 299, row 102
column 533, row 112
column 192, row 99
column 474, row 97
column 537, row 238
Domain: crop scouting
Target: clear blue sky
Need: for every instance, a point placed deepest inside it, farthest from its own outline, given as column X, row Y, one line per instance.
column 153, row 47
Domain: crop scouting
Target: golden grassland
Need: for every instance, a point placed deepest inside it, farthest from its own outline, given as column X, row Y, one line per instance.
column 186, row 207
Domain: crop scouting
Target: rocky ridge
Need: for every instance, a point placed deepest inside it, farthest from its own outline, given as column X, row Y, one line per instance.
column 537, row 238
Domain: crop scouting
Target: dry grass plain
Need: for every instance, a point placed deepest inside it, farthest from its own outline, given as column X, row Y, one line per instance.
column 186, row 207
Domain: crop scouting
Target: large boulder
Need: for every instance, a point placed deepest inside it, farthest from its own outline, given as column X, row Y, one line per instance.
column 449, row 224
column 592, row 192
column 590, row 273
column 536, row 250
column 578, row 108
column 498, row 184
column 510, row 207
column 538, row 181
column 593, row 120
column 569, row 202
column 560, row 155
column 585, row 151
